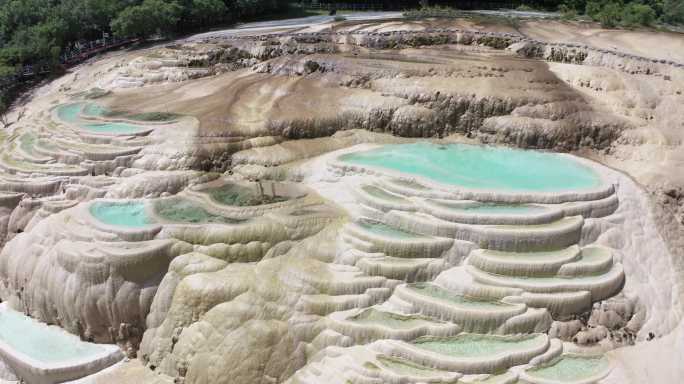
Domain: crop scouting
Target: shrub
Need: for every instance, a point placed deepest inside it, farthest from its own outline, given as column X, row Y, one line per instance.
column 610, row 15
column 593, row 9
column 147, row 18
column 673, row 11
column 524, row 8
column 638, row 14
column 566, row 12
column 428, row 12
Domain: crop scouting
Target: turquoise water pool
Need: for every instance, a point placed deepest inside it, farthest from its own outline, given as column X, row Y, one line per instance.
column 69, row 113
column 122, row 128
column 90, row 109
column 570, row 368
column 481, row 167
column 40, row 342
column 469, row 345
column 132, row 214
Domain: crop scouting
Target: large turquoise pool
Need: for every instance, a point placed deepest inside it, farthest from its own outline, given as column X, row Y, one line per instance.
column 481, row 167
column 128, row 214
column 47, row 344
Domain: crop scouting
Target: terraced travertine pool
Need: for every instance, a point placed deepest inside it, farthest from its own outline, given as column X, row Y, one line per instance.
column 121, row 128
column 392, row 320
column 70, row 113
column 469, row 345
column 121, row 214
column 485, row 208
column 237, row 195
column 438, row 292
column 186, row 211
column 47, row 344
column 385, row 230
column 571, row 368
column 405, row 367
column 481, row 167
column 382, row 194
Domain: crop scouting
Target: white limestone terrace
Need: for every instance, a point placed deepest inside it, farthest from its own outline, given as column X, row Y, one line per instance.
column 78, row 238
column 425, row 283
column 500, row 263
column 44, row 354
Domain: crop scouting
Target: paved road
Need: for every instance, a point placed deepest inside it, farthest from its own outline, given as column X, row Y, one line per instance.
column 516, row 14
column 294, row 23
column 303, row 22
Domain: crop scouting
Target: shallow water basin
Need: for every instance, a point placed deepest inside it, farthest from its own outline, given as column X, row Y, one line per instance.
column 485, row 208
column 571, row 368
column 186, row 211
column 71, row 113
column 123, row 214
column 438, row 292
column 48, row 344
column 481, row 167
column 385, row 230
column 373, row 316
column 470, row 345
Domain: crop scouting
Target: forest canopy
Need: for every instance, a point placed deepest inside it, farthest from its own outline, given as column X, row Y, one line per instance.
column 39, row 30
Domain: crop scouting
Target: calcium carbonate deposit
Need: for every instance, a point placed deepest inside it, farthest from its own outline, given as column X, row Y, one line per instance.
column 357, row 202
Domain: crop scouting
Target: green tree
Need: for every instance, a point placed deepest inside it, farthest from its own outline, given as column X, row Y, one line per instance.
column 148, row 18
column 89, row 18
column 3, row 113
column 15, row 14
column 576, row 5
column 610, row 15
column 593, row 8
column 204, row 12
column 37, row 43
column 638, row 14
column 673, row 11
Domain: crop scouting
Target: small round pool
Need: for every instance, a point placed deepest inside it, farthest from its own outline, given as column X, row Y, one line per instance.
column 481, row 167
column 121, row 214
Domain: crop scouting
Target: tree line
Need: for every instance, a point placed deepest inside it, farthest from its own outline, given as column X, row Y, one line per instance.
column 613, row 13
column 610, row 13
column 39, row 31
